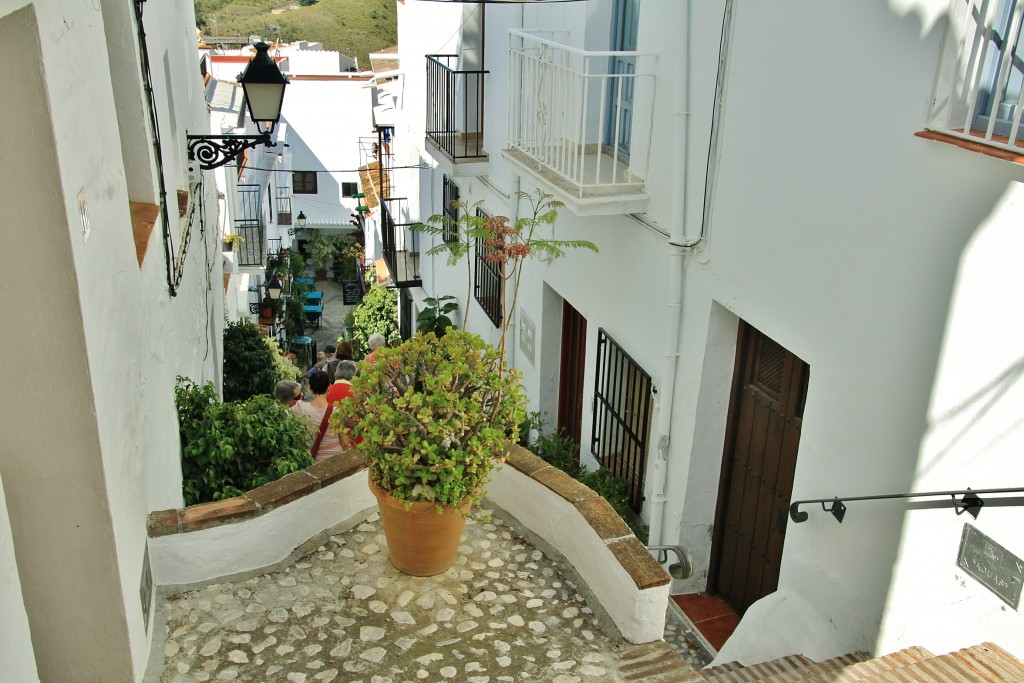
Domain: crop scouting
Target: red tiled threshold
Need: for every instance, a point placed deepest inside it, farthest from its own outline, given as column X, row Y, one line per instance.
column 709, row 614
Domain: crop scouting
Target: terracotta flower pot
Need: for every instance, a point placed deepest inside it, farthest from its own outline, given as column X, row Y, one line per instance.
column 421, row 542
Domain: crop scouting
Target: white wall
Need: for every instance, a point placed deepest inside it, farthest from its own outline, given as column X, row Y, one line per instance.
column 883, row 261
column 15, row 638
column 100, row 338
column 326, row 117
column 844, row 238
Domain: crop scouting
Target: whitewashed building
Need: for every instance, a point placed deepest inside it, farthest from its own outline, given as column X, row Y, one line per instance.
column 798, row 294
column 112, row 250
column 311, row 173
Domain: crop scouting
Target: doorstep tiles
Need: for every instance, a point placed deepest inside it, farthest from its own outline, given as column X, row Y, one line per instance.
column 710, row 615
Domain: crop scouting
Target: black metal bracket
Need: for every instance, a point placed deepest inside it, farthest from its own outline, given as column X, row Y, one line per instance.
column 837, row 508
column 213, row 151
column 969, row 502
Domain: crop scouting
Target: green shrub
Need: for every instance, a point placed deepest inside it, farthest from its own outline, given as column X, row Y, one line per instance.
column 376, row 314
column 230, row 448
column 283, row 369
column 435, row 416
column 434, row 316
column 561, row 451
column 248, row 362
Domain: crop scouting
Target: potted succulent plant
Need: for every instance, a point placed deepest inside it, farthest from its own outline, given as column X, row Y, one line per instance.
column 435, row 416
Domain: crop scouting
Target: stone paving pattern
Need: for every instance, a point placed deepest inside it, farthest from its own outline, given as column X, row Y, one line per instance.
column 503, row 612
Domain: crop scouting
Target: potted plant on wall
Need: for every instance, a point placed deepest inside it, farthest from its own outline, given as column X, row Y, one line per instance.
column 436, row 413
column 435, row 416
column 231, row 242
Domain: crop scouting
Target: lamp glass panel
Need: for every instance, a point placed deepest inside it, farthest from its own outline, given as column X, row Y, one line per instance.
column 264, row 103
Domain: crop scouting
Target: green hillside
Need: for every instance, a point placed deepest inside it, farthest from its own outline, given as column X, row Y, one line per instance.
column 352, row 27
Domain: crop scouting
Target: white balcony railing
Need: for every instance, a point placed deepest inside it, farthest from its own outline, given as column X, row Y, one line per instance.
column 582, row 119
column 979, row 91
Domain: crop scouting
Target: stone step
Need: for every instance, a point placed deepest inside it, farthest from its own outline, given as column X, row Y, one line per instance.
column 656, row 662
column 733, row 672
column 873, row 667
column 814, row 671
column 985, row 663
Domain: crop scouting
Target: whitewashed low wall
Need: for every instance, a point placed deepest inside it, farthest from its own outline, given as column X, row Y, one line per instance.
column 639, row 613
column 249, row 544
column 212, row 541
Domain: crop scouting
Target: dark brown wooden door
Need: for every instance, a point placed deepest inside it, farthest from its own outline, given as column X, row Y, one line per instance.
column 759, row 460
column 570, row 381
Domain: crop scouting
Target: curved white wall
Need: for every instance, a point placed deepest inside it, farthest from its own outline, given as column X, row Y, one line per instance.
column 15, row 638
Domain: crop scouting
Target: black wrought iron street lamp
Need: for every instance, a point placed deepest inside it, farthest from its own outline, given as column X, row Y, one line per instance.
column 300, row 220
column 274, row 289
column 263, row 84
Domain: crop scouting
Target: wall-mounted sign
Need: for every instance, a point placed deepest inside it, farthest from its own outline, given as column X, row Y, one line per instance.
column 992, row 565
column 352, row 293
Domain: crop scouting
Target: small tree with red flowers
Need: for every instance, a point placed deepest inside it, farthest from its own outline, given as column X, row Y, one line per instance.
column 508, row 245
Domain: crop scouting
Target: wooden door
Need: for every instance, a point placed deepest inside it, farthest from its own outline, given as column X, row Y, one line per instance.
column 570, row 381
column 758, row 464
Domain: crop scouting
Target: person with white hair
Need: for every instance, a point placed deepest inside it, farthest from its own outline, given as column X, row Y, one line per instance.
column 375, row 342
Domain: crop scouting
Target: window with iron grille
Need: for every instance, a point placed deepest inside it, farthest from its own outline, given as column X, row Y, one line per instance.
column 623, row 396
column 349, row 189
column 487, row 280
column 450, row 195
column 304, row 182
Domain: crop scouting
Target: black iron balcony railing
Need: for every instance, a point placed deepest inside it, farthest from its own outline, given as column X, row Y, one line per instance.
column 400, row 244
column 455, row 107
column 284, row 206
column 969, row 501
column 250, row 253
column 248, row 202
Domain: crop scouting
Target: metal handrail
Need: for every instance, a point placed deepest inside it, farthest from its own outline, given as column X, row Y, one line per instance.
column 970, row 502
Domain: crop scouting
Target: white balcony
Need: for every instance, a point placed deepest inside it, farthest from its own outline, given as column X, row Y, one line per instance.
column 580, row 122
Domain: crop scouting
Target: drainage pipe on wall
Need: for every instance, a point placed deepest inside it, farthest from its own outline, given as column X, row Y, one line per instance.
column 678, row 249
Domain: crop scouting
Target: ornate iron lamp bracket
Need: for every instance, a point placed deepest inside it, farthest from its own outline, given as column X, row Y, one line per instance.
column 213, row 151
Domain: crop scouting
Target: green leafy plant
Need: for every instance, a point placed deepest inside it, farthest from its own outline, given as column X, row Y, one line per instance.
column 377, row 313
column 434, row 316
column 283, row 369
column 320, row 251
column 248, row 362
column 229, row 448
column 294, row 263
column 435, row 416
column 562, row 452
column 231, row 242
column 504, row 244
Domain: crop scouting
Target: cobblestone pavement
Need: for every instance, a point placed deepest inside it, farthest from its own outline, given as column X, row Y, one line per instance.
column 341, row 612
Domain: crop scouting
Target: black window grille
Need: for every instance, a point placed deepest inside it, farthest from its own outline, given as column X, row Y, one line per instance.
column 450, row 195
column 623, row 396
column 487, row 280
column 349, row 189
